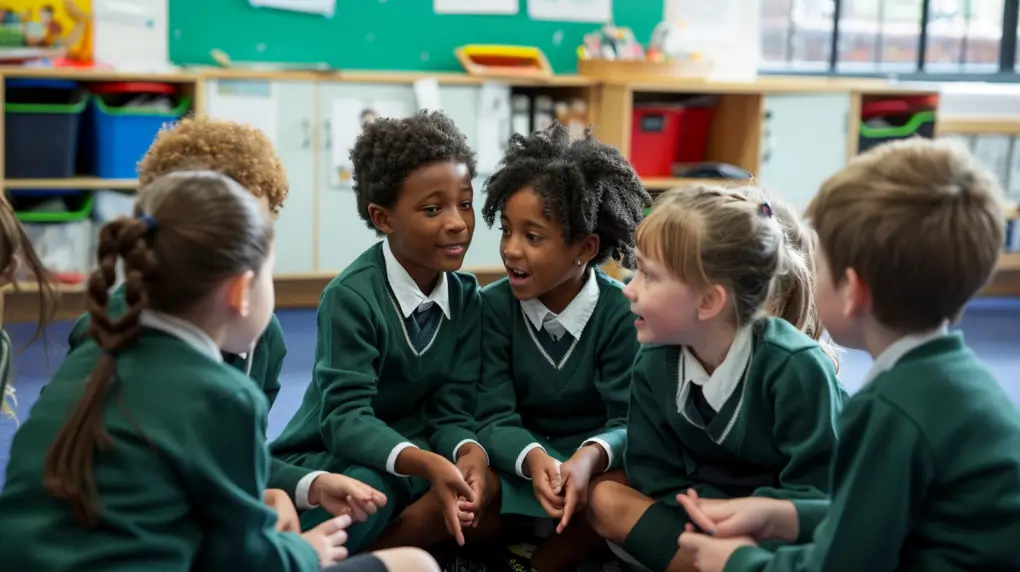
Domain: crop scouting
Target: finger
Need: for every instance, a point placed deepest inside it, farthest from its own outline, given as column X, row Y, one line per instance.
column 453, row 525
column 359, row 513
column 339, row 523
column 461, row 488
column 468, row 506
column 696, row 515
column 735, row 525
column 550, row 509
column 555, row 481
column 338, row 553
column 338, row 538
column 465, row 517
column 693, row 541
column 689, row 528
column 378, row 498
column 568, row 510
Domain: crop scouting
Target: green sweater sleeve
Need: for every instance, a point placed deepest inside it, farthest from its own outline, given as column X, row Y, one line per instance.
column 810, row 514
column 451, row 408
column 616, row 359
column 873, row 433
column 227, row 477
column 808, row 399
column 501, row 432
column 274, row 351
column 346, row 349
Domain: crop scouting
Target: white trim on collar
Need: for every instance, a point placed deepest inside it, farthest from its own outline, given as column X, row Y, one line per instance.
column 409, row 296
column 573, row 318
column 901, row 347
column 718, row 387
column 183, row 330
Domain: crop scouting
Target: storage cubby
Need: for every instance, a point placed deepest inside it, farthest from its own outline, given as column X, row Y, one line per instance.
column 892, row 117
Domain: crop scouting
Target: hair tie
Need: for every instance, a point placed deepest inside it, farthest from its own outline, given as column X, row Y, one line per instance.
column 150, row 223
column 766, row 209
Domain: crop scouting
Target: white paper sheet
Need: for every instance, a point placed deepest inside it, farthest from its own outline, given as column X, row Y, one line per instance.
column 494, row 119
column 598, row 11
column 247, row 102
column 426, row 92
column 326, row 8
column 348, row 117
column 505, row 7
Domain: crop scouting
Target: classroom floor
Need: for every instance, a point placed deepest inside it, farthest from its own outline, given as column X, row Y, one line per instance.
column 992, row 328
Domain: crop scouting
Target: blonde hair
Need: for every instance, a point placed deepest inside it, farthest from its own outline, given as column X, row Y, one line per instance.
column 746, row 240
column 920, row 221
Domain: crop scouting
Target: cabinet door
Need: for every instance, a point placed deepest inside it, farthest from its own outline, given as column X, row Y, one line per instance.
column 805, row 142
column 284, row 111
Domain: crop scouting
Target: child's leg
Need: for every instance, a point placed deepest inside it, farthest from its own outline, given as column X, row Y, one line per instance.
column 645, row 529
column 579, row 541
column 396, row 560
column 423, row 523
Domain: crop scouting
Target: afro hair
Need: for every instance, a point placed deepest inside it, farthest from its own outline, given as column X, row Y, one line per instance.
column 591, row 187
column 388, row 150
column 240, row 152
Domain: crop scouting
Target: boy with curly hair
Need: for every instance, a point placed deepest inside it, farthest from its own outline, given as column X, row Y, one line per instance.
column 246, row 155
column 397, row 357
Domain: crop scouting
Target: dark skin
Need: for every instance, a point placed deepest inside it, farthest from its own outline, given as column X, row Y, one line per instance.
column 429, row 229
column 543, row 265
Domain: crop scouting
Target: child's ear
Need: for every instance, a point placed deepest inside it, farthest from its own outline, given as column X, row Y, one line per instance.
column 380, row 218
column 589, row 248
column 856, row 294
column 238, row 291
column 713, row 300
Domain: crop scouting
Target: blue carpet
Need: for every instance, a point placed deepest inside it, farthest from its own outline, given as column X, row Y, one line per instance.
column 991, row 327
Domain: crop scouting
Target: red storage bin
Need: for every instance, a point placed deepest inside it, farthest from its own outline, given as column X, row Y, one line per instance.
column 664, row 135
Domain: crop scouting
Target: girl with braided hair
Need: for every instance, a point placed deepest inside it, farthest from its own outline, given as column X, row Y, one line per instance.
column 147, row 451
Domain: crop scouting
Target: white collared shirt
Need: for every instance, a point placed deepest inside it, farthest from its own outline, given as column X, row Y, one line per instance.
column 901, row 347
column 572, row 319
column 718, row 387
column 409, row 296
column 183, row 330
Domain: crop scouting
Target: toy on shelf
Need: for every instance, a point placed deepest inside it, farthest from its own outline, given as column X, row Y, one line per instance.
column 503, row 61
column 614, row 52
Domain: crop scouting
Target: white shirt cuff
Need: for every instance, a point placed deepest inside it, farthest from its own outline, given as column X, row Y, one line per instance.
column 303, row 486
column 391, row 461
column 465, row 442
column 520, row 459
column 605, row 446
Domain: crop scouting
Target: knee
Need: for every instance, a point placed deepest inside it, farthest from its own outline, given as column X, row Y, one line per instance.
column 407, row 560
column 603, row 504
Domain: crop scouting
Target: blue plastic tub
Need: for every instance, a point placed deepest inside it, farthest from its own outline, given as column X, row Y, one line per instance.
column 122, row 135
column 42, row 120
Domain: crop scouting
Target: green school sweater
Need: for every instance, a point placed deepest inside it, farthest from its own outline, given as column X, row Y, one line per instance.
column 773, row 437
column 181, row 487
column 526, row 398
column 371, row 390
column 926, row 476
column 265, row 363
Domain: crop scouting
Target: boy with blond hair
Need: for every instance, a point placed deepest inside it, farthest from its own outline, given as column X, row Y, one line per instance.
column 926, row 475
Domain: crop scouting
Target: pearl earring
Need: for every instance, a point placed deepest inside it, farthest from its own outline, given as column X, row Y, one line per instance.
column 577, row 262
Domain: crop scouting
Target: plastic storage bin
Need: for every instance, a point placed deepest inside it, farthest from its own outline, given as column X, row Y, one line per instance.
column 42, row 118
column 896, row 118
column 61, row 231
column 126, row 117
column 665, row 135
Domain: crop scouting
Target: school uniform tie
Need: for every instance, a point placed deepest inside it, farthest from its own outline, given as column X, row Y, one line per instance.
column 422, row 325
column 555, row 339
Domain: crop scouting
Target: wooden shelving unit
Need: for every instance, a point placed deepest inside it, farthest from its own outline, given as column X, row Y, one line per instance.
column 72, row 183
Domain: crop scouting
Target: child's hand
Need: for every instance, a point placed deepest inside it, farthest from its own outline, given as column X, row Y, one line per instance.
column 546, row 480
column 449, row 484
column 757, row 517
column 340, row 495
column 711, row 554
column 286, row 514
column 328, row 539
column 576, row 474
column 474, row 466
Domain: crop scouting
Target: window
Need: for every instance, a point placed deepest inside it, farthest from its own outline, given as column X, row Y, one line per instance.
column 902, row 37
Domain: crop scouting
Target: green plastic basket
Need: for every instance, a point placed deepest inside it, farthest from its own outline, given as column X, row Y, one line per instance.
column 82, row 213
column 898, row 131
column 182, row 107
column 68, row 108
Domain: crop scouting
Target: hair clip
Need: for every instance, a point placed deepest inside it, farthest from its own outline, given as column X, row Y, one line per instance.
column 150, row 223
column 766, row 209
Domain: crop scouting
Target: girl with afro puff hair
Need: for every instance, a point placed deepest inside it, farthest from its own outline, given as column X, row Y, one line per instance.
column 397, row 356
column 558, row 336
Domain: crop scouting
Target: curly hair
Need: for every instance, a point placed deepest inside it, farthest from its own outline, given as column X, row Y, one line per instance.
column 388, row 150
column 593, row 188
column 240, row 152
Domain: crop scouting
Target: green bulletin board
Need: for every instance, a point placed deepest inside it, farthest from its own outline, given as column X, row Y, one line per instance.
column 377, row 34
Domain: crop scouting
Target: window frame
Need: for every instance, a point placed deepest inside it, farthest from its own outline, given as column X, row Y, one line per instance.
column 1007, row 70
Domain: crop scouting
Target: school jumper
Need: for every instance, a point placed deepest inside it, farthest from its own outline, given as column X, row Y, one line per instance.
column 555, row 382
column 262, row 364
column 763, row 424
column 394, row 368
column 926, row 476
column 180, row 486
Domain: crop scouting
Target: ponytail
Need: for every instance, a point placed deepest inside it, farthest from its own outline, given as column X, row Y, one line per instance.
column 68, row 470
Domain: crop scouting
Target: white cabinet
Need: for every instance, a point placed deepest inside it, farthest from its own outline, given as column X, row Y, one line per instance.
column 804, row 143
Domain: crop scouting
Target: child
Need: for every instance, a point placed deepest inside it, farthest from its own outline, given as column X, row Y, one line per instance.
column 144, row 448
column 15, row 247
column 564, row 208
column 926, row 475
column 246, row 155
column 723, row 399
column 397, row 356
